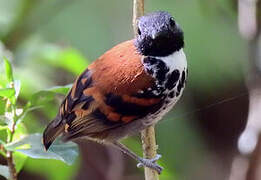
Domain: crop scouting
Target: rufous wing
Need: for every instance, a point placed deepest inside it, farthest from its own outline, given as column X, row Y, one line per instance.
column 105, row 96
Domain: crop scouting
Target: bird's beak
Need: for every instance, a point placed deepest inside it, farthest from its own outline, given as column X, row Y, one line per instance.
column 178, row 27
column 156, row 34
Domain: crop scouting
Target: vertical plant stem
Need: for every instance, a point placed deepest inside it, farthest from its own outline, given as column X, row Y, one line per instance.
column 10, row 163
column 9, row 154
column 148, row 135
column 138, row 10
column 149, row 147
column 11, row 166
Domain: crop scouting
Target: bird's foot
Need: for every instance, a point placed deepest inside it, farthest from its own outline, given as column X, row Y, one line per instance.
column 150, row 163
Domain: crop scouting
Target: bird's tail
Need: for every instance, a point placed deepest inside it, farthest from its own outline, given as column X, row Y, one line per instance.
column 52, row 131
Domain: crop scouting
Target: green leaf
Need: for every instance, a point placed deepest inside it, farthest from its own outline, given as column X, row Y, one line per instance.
column 3, row 121
column 66, row 152
column 20, row 132
column 8, row 70
column 61, row 89
column 41, row 98
column 3, row 128
column 7, row 92
column 72, row 61
column 4, row 171
column 26, row 110
column 3, row 81
column 3, row 136
column 2, row 142
column 19, row 160
column 68, row 59
column 2, row 105
column 47, row 95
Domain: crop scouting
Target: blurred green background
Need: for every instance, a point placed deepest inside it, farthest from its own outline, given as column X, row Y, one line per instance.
column 51, row 42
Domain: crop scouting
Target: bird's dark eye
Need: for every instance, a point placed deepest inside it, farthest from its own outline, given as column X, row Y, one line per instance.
column 139, row 32
column 172, row 22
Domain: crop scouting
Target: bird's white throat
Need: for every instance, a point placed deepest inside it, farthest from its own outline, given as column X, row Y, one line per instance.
column 176, row 60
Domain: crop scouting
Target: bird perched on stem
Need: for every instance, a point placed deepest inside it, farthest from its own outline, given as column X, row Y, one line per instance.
column 127, row 89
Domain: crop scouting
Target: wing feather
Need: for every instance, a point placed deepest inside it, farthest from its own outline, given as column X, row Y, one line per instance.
column 104, row 96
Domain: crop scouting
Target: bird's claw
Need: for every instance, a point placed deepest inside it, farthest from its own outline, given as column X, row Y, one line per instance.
column 151, row 163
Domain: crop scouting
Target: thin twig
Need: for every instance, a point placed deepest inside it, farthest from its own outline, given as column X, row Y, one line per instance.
column 149, row 147
column 138, row 10
column 148, row 135
column 9, row 154
column 11, row 166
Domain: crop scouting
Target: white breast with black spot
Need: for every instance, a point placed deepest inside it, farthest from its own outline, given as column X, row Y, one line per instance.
column 170, row 73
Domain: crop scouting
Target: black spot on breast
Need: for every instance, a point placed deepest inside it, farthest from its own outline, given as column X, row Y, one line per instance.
column 149, row 60
column 162, row 70
column 149, row 71
column 171, row 94
column 160, row 89
column 167, row 102
column 183, row 77
column 179, row 86
column 172, row 79
column 156, row 66
column 181, row 82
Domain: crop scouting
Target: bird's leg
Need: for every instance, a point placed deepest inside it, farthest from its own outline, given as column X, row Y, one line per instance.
column 150, row 163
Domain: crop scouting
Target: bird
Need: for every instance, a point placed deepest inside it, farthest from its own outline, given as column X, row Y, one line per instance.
column 128, row 88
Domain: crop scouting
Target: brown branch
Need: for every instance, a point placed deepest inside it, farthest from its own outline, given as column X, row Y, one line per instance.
column 138, row 10
column 149, row 147
column 9, row 157
column 11, row 166
column 148, row 135
column 9, row 154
